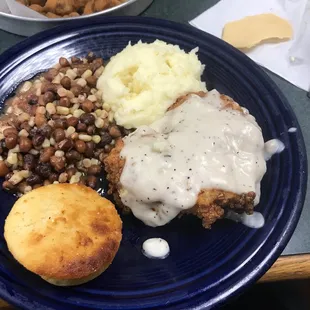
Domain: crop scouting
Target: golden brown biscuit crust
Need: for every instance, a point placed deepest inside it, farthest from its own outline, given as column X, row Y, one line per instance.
column 63, row 231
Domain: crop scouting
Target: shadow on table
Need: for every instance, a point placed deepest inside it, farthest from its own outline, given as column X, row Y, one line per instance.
column 288, row 295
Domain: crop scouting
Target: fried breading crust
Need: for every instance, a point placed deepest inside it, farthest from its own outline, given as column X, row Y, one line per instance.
column 211, row 203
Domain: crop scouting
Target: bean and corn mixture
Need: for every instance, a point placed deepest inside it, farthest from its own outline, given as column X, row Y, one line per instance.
column 56, row 129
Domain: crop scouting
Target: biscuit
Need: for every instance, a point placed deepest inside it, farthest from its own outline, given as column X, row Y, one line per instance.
column 66, row 233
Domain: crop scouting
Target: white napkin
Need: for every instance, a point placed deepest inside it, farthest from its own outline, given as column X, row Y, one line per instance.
column 4, row 7
column 16, row 8
column 291, row 59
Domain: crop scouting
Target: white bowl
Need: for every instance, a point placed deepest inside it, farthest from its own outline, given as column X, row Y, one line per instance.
column 26, row 26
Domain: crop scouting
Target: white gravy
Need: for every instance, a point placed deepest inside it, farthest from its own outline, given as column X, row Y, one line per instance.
column 198, row 145
column 156, row 248
column 272, row 147
column 292, row 129
column 255, row 220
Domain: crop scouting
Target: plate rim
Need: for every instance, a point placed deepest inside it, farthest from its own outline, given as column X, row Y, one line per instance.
column 45, row 36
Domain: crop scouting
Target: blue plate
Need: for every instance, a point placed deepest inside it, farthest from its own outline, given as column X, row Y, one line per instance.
column 205, row 267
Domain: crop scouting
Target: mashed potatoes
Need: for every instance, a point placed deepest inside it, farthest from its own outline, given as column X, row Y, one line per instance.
column 143, row 80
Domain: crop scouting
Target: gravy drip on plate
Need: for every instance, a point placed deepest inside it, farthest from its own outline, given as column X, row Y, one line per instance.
column 272, row 147
column 198, row 145
column 292, row 129
column 255, row 220
column 156, row 248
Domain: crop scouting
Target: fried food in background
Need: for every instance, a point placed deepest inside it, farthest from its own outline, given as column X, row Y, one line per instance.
column 65, row 233
column 69, row 8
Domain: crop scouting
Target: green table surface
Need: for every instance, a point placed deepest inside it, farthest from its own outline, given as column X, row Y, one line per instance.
column 184, row 10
